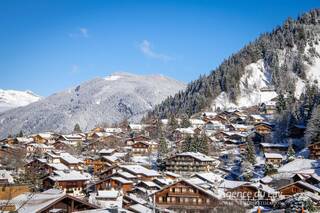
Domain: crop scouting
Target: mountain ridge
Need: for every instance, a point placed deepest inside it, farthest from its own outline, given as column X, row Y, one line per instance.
column 98, row 101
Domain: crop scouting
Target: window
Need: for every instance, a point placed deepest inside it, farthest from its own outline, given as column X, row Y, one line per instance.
column 194, row 200
column 191, row 190
column 184, row 189
column 208, row 201
column 160, row 199
column 199, row 200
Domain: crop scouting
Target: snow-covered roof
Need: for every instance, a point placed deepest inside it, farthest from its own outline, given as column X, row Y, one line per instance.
column 275, row 145
column 137, row 169
column 197, row 155
column 298, row 165
column 106, row 151
column 29, row 202
column 140, row 208
column 112, row 194
column 188, row 130
column 273, row 155
column 70, row 175
column 58, row 166
column 113, row 130
column 209, row 176
column 257, row 117
column 121, row 180
column 69, row 158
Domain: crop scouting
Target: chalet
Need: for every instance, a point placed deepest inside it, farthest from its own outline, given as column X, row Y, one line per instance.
column 314, row 150
column 270, row 107
column 140, row 172
column 73, row 139
column 43, row 137
column 263, row 128
column 107, row 152
column 115, row 183
column 61, row 145
column 38, row 148
column 298, row 187
column 52, row 200
column 274, row 147
column 239, row 127
column 141, row 148
column 196, row 122
column 148, row 185
column 95, row 164
column 107, row 199
column 214, row 125
column 273, row 158
column 254, row 119
column 131, row 141
column 208, row 115
column 185, row 195
column 181, row 133
column 190, row 162
column 71, row 161
column 70, row 181
column 251, row 191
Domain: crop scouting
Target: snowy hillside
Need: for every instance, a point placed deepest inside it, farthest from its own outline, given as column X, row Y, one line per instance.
column 10, row 99
column 256, row 82
column 101, row 100
column 254, row 87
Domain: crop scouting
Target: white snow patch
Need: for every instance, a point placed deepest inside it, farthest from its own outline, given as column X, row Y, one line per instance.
column 252, row 83
column 112, row 78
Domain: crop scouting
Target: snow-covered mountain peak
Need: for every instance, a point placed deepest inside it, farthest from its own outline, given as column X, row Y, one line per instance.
column 10, row 99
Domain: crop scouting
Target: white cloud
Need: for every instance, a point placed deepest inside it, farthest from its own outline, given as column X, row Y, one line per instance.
column 82, row 32
column 146, row 48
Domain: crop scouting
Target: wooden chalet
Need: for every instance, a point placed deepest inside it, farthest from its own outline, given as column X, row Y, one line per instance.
column 263, row 128
column 52, row 200
column 185, row 196
column 141, row 148
column 298, row 187
column 116, row 183
column 273, row 158
column 297, row 131
column 70, row 181
column 190, row 162
column 314, row 150
column 281, row 148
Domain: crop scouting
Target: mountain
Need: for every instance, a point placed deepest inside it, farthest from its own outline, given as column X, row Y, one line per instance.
column 98, row 101
column 10, row 99
column 284, row 61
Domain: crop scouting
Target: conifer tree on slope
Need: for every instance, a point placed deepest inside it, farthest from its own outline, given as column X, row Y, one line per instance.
column 313, row 128
column 251, row 153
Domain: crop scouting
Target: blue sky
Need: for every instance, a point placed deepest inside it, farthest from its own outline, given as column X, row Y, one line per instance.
column 48, row 46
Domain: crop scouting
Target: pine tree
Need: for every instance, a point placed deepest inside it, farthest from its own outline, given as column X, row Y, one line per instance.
column 77, row 128
column 162, row 148
column 187, row 145
column 313, row 128
column 203, row 145
column 291, row 153
column 20, row 134
column 172, row 123
column 281, row 103
column 185, row 122
column 251, row 153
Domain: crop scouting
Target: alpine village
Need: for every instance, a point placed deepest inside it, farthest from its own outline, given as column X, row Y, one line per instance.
column 190, row 153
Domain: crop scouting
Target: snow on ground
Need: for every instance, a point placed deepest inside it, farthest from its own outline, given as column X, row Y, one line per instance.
column 313, row 71
column 256, row 78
